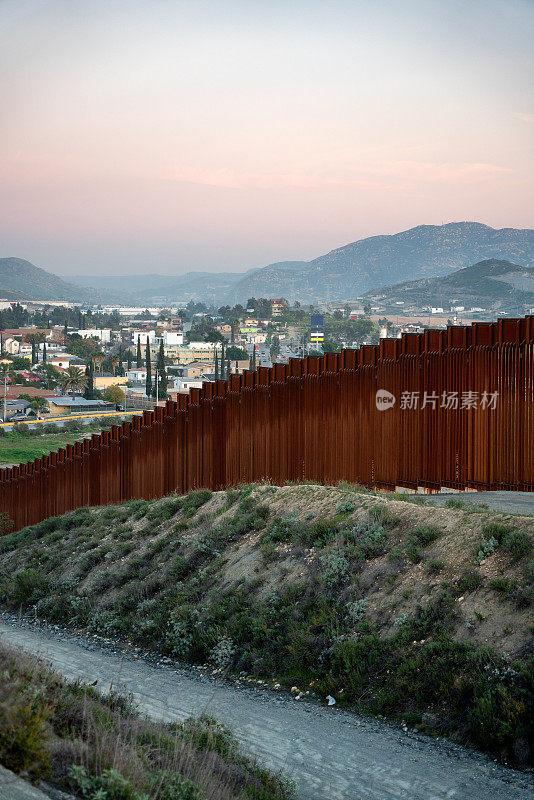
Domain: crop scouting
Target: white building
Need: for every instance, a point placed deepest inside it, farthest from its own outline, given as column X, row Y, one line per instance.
column 102, row 334
column 172, row 337
column 135, row 375
column 144, row 336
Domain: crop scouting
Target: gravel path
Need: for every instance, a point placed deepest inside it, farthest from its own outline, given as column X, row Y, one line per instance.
column 509, row 502
column 331, row 754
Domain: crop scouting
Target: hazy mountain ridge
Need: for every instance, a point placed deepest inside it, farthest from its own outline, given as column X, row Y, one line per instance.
column 21, row 278
column 493, row 282
column 424, row 251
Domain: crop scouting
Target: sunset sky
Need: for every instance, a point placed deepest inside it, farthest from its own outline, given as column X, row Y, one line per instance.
column 169, row 136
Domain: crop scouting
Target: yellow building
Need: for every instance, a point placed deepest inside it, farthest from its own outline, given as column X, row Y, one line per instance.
column 103, row 381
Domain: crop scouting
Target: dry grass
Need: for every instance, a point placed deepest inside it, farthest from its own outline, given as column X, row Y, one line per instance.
column 47, row 726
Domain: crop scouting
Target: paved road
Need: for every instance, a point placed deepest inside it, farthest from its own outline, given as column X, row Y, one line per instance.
column 509, row 502
column 331, row 754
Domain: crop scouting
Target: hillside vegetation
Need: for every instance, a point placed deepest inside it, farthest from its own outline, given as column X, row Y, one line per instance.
column 494, row 283
column 395, row 608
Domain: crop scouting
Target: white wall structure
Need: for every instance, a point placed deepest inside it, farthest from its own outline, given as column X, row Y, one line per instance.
column 145, row 336
column 102, row 334
column 172, row 337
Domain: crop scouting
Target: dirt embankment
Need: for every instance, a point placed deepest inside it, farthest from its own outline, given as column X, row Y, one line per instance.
column 394, row 607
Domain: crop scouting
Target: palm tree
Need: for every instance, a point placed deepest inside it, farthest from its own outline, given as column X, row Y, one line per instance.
column 72, row 380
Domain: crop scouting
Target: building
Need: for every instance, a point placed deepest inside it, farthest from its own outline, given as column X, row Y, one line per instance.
column 11, row 346
column 278, row 307
column 67, row 405
column 102, row 334
column 135, row 375
column 65, row 360
column 101, row 382
column 317, row 331
column 171, row 338
column 144, row 336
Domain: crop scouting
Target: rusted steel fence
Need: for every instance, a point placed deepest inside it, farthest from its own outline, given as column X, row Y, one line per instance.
column 462, row 415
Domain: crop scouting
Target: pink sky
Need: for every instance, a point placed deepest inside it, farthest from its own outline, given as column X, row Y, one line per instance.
column 170, row 136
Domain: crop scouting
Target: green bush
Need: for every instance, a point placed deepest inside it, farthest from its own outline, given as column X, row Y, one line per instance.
column 195, row 500
column 494, row 530
column 24, row 735
column 418, row 538
column 384, row 516
column 469, row 581
column 111, row 785
column 518, row 544
column 25, row 588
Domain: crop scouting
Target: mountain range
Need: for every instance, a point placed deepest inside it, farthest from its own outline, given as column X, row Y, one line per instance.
column 348, row 272
column 21, row 280
column 492, row 284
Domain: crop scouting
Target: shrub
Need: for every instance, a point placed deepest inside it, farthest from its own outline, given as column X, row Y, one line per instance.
column 346, row 508
column 469, row 581
column 287, row 529
column 529, row 571
column 104, row 622
column 435, row 565
column 223, row 653
column 51, row 427
column 384, row 516
column 111, row 785
column 486, row 548
column 418, row 538
column 494, row 530
column 25, row 588
column 517, row 543
column 195, row 500
column 24, row 734
column 319, row 533
column 335, row 568
column 357, row 610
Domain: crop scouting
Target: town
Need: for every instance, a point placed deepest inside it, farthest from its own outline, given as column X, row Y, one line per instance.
column 60, row 359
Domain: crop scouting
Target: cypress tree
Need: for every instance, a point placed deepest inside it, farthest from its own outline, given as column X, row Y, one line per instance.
column 34, row 354
column 139, row 355
column 129, row 364
column 223, row 376
column 120, row 368
column 228, row 369
column 148, row 385
column 89, row 391
column 162, row 373
column 44, row 353
column 216, row 364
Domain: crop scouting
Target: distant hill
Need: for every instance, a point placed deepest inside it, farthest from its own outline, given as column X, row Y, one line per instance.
column 422, row 252
column 26, row 281
column 492, row 283
column 156, row 289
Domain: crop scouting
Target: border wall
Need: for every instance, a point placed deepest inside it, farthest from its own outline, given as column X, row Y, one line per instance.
column 315, row 419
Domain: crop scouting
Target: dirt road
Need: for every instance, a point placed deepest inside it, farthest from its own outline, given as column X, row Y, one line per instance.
column 331, row 754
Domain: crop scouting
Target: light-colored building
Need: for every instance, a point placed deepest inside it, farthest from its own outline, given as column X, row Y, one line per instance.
column 104, row 381
column 135, row 375
column 171, row 338
column 65, row 360
column 278, row 306
column 101, row 334
column 11, row 346
column 144, row 336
